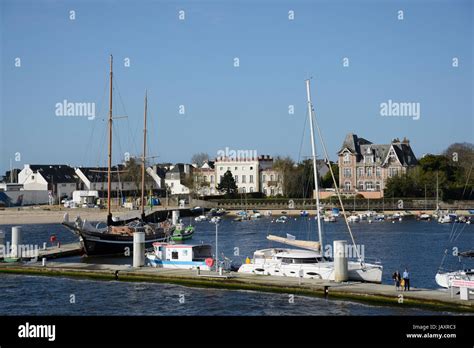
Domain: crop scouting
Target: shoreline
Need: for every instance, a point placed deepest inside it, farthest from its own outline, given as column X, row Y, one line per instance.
column 34, row 215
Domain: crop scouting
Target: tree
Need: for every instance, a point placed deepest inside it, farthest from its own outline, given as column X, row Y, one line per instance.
column 326, row 181
column 227, row 184
column 199, row 158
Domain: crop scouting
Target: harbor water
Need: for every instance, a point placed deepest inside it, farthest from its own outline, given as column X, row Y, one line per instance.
column 416, row 245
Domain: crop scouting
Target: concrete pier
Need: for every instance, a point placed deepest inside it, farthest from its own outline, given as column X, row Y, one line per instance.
column 375, row 294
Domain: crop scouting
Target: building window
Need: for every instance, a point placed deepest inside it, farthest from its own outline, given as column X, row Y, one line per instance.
column 243, row 179
column 360, row 185
column 251, row 189
column 263, row 177
column 369, row 186
column 243, row 189
column 378, row 172
column 392, row 172
column 346, row 159
column 271, row 177
column 272, row 192
column 174, row 255
column 236, row 179
column 347, row 172
column 265, row 191
column 251, row 179
column 236, row 168
column 228, row 168
column 360, row 172
column 222, row 168
column 377, row 186
column 212, row 179
column 251, row 168
column 347, row 186
column 368, row 159
column 369, row 171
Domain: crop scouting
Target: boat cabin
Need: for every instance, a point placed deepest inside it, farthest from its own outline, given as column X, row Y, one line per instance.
column 182, row 252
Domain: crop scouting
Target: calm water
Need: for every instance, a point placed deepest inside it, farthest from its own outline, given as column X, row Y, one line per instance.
column 416, row 245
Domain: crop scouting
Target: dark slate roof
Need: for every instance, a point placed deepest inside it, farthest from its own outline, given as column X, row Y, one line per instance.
column 57, row 173
column 359, row 146
column 353, row 142
column 405, row 154
column 99, row 174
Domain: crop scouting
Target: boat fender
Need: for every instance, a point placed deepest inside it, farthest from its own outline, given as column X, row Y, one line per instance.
column 209, row 262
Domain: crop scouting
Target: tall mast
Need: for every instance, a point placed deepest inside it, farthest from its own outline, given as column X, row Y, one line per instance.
column 315, row 171
column 143, row 158
column 109, row 165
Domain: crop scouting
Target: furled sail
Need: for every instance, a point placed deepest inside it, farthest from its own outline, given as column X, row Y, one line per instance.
column 305, row 244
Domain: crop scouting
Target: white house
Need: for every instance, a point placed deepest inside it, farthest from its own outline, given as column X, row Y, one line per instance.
column 60, row 180
column 244, row 170
column 175, row 176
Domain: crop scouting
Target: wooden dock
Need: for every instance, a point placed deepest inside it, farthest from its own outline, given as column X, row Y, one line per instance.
column 375, row 294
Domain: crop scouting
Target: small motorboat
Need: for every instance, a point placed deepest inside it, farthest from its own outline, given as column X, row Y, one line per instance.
column 353, row 218
column 182, row 256
column 379, row 217
column 200, row 218
column 282, row 219
column 424, row 217
column 182, row 233
column 329, row 218
column 304, row 213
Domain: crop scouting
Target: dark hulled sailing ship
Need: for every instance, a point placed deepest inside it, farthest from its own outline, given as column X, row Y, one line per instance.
column 116, row 237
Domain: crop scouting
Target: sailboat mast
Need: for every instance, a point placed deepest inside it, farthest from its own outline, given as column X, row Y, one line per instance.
column 109, row 165
column 143, row 158
column 315, row 171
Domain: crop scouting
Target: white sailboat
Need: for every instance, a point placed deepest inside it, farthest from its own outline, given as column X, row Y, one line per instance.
column 308, row 261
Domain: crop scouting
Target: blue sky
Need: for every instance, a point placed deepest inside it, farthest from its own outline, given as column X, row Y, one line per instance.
column 191, row 63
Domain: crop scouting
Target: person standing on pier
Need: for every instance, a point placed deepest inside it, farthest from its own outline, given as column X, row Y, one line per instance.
column 406, row 280
column 396, row 279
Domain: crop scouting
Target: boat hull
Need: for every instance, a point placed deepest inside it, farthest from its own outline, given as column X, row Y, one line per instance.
column 367, row 273
column 444, row 279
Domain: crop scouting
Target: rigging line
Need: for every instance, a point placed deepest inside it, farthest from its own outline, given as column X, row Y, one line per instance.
column 302, row 136
column 101, row 103
column 335, row 184
column 460, row 232
column 467, row 181
column 134, row 145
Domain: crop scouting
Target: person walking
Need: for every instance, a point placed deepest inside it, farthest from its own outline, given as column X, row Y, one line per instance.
column 406, row 280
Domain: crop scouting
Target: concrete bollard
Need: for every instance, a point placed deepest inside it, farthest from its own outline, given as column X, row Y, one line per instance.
column 138, row 249
column 220, row 270
column 175, row 217
column 198, row 271
column 2, row 237
column 340, row 261
column 16, row 241
column 44, row 245
column 43, row 261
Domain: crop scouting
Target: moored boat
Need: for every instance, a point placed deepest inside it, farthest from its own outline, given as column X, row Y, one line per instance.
column 181, row 256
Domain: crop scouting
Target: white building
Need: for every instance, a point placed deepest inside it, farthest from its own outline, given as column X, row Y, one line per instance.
column 60, row 180
column 244, row 170
column 271, row 182
column 175, row 177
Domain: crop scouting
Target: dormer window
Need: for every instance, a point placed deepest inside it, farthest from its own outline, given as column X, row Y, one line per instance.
column 347, row 159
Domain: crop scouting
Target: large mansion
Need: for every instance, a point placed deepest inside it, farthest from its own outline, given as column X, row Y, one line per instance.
column 365, row 167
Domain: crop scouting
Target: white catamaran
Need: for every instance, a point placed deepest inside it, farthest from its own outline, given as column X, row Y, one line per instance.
column 309, row 261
